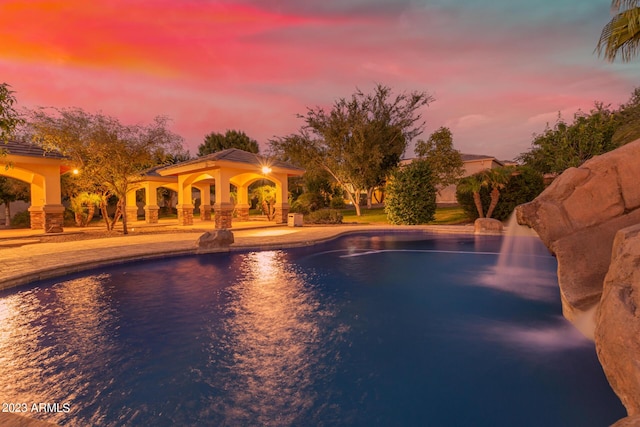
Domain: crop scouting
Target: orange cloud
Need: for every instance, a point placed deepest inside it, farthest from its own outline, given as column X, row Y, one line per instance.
column 157, row 37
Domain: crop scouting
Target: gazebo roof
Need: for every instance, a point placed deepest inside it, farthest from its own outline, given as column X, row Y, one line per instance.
column 239, row 158
column 18, row 148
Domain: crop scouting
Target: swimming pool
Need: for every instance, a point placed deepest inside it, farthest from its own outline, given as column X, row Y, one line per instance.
column 395, row 329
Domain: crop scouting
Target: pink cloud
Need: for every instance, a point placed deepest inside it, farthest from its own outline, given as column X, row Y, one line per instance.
column 216, row 65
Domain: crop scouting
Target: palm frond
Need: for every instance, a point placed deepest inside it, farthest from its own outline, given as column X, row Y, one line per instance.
column 621, row 36
column 618, row 5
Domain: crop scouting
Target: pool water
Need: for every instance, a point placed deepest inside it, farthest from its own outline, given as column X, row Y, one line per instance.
column 391, row 330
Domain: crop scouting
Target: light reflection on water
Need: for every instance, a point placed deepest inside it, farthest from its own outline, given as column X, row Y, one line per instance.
column 362, row 331
column 48, row 342
column 276, row 339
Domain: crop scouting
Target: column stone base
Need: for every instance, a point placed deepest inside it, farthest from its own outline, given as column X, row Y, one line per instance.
column 224, row 215
column 151, row 214
column 205, row 212
column 282, row 211
column 36, row 217
column 185, row 214
column 243, row 211
column 49, row 218
column 132, row 214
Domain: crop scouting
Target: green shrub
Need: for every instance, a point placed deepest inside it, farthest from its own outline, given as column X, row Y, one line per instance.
column 411, row 195
column 69, row 218
column 337, row 202
column 523, row 186
column 307, row 203
column 324, row 216
column 21, row 220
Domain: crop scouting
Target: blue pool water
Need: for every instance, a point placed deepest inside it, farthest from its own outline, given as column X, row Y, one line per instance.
column 388, row 330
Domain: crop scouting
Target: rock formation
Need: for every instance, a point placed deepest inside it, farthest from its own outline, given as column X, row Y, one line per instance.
column 212, row 241
column 577, row 217
column 487, row 226
column 617, row 332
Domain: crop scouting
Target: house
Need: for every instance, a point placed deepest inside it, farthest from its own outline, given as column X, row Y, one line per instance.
column 473, row 163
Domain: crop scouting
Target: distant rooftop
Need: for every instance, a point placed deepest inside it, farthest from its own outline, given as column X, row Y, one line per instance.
column 472, row 157
column 18, row 148
column 465, row 158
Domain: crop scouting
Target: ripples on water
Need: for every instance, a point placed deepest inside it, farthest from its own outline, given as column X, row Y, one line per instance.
column 375, row 330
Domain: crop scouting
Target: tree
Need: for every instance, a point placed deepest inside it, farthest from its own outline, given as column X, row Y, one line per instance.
column 523, row 184
column 215, row 142
column 628, row 120
column 569, row 145
column 411, row 195
column 445, row 161
column 496, row 179
column 621, row 35
column 359, row 141
column 473, row 184
column 9, row 117
column 12, row 190
column 84, row 206
column 266, row 195
column 111, row 156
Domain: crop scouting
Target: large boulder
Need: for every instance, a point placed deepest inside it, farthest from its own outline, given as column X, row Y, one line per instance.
column 577, row 217
column 213, row 241
column 617, row 333
column 589, row 217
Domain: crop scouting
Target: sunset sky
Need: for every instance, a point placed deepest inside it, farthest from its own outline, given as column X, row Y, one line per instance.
column 499, row 70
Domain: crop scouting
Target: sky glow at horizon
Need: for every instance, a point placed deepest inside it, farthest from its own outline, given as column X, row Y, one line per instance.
column 499, row 71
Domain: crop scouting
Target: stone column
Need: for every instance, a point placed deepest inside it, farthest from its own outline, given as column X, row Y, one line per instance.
column 36, row 216
column 282, row 211
column 151, row 214
column 49, row 218
column 185, row 214
column 53, row 218
column 205, row 201
column 224, row 215
column 132, row 214
column 205, row 212
column 131, row 210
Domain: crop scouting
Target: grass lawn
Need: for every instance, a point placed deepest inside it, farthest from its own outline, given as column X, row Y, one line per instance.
column 453, row 215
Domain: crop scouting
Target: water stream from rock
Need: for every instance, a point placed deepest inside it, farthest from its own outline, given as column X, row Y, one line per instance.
column 520, row 265
column 517, row 263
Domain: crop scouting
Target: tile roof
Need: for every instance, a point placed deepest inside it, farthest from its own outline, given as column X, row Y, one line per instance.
column 465, row 158
column 30, row 150
column 472, row 157
column 239, row 156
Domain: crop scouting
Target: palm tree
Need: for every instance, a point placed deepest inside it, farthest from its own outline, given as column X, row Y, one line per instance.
column 84, row 207
column 266, row 196
column 473, row 184
column 622, row 34
column 497, row 179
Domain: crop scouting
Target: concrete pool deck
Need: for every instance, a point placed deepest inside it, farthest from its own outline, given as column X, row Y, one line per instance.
column 26, row 256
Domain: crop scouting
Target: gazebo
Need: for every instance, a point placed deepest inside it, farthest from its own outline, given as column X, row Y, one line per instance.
column 221, row 169
column 41, row 169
